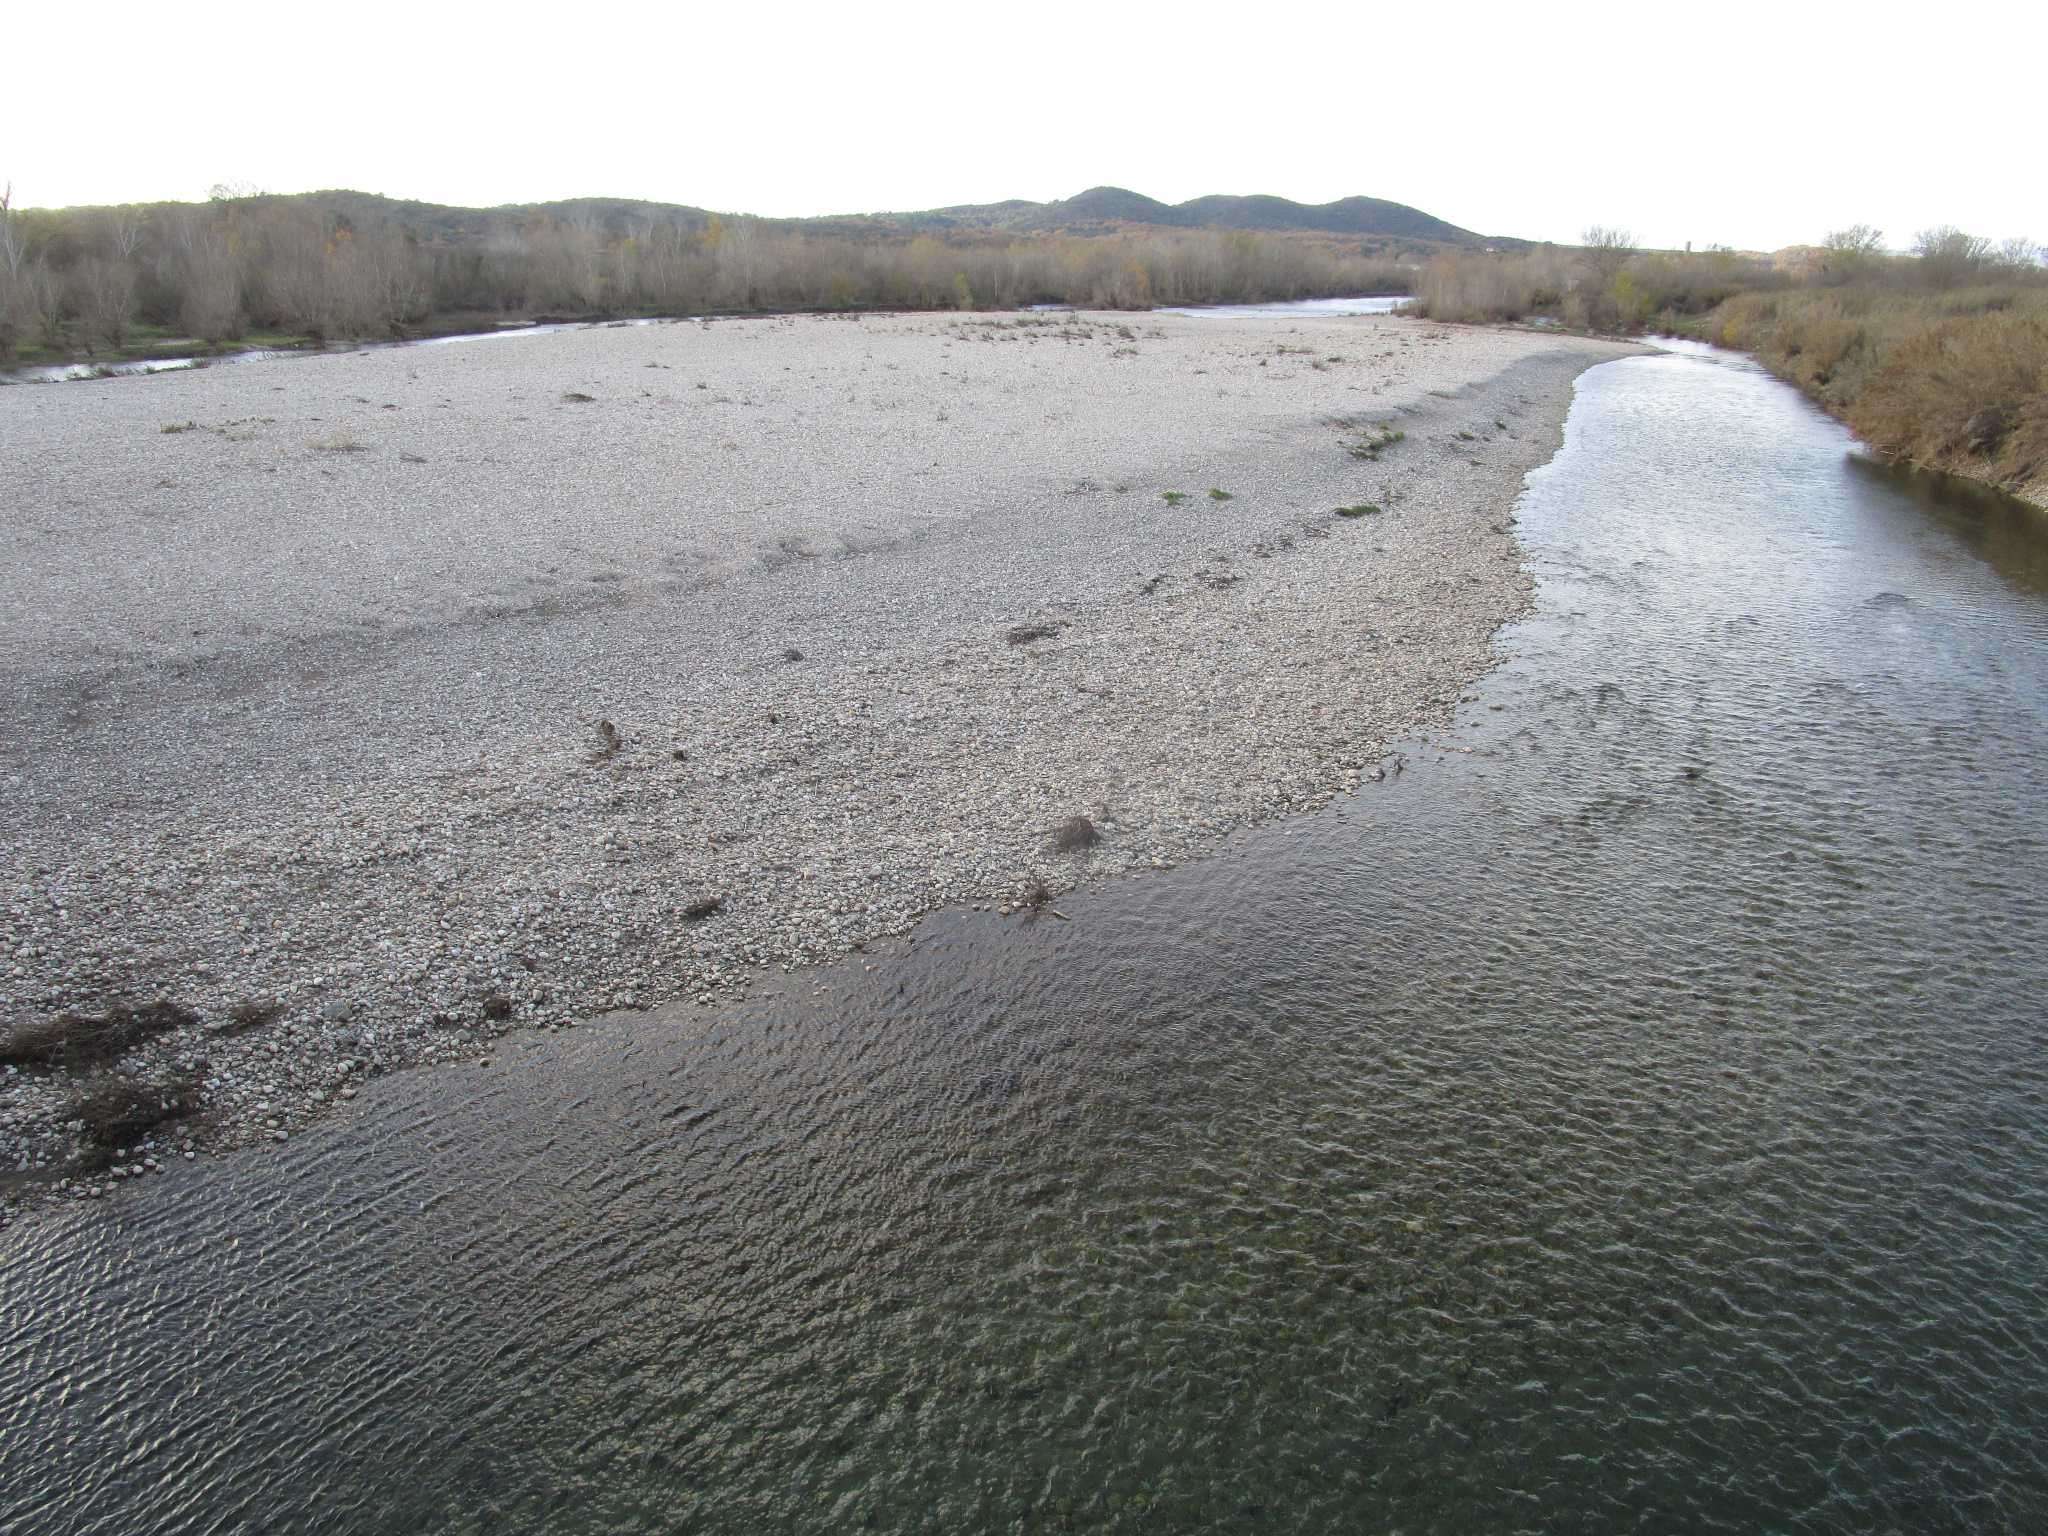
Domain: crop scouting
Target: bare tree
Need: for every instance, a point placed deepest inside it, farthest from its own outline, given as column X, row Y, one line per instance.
column 103, row 295
column 1603, row 258
column 123, row 229
column 1606, row 252
column 1857, row 239
column 13, row 244
column 204, row 273
column 1948, row 256
column 1608, row 245
column 2021, row 254
column 11, row 317
column 42, row 298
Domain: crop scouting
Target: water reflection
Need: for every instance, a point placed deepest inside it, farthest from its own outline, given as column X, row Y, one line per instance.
column 2005, row 532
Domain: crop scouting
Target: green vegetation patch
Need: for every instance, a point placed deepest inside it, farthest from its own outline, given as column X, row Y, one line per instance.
column 1370, row 447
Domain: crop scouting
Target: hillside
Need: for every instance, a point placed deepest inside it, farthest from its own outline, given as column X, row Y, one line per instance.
column 1101, row 207
column 1095, row 211
column 1099, row 210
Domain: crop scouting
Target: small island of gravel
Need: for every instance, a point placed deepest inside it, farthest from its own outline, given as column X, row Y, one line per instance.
column 363, row 707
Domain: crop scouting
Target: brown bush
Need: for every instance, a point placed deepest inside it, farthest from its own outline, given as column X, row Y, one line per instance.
column 1971, row 388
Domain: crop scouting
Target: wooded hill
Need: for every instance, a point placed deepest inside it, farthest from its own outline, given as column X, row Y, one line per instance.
column 1099, row 210
column 104, row 282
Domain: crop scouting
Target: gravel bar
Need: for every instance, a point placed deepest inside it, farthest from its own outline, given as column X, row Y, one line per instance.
column 368, row 706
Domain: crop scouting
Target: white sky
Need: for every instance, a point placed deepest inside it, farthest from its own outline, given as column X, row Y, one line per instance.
column 1750, row 125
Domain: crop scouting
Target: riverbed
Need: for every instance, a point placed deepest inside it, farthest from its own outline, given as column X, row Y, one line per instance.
column 1628, row 1115
column 372, row 707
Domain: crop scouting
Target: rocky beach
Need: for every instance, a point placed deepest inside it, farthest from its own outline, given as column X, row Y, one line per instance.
column 363, row 708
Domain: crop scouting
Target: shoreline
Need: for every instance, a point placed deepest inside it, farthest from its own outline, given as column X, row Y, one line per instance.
column 1975, row 474
column 144, row 359
column 630, row 665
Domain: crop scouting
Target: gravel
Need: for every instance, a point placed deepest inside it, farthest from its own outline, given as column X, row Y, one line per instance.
column 400, row 699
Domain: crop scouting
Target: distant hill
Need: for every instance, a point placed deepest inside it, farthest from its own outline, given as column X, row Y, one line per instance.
column 1095, row 211
column 1098, row 210
column 1099, row 207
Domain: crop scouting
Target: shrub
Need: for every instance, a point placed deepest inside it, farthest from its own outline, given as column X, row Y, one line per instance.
column 1971, row 387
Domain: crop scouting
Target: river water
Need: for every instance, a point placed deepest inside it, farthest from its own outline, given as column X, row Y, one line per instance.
column 1302, row 309
column 1630, row 1116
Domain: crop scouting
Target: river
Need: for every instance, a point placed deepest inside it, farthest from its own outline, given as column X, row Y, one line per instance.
column 1628, row 1115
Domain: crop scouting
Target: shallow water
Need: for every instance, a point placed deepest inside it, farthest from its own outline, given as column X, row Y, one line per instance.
column 1302, row 309
column 1629, row 1116
column 71, row 373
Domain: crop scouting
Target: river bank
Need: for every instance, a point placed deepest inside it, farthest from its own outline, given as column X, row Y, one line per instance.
column 366, row 708
column 1951, row 381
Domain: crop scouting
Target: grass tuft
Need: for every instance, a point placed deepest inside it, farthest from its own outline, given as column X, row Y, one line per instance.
column 1370, row 448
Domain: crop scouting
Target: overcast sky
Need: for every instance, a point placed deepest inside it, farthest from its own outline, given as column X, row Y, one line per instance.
column 1749, row 125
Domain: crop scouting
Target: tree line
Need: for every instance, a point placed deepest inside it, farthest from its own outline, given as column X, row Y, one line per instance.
column 78, row 281
column 1607, row 284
